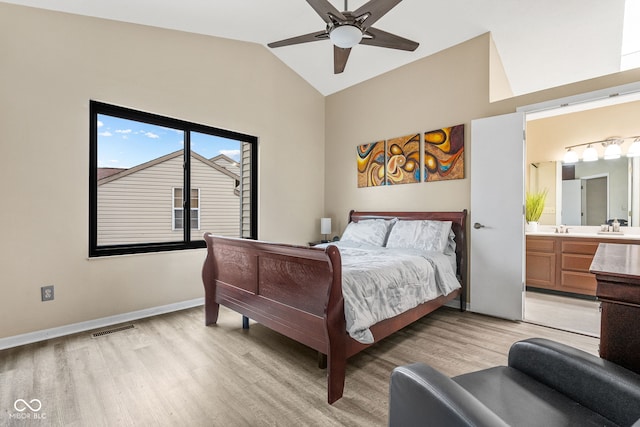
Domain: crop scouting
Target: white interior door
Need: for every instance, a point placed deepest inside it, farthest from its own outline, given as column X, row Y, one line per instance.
column 571, row 202
column 497, row 216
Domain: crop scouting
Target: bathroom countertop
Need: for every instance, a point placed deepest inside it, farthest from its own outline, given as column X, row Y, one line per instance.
column 587, row 234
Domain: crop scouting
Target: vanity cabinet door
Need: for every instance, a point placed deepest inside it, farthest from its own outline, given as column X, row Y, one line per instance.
column 541, row 262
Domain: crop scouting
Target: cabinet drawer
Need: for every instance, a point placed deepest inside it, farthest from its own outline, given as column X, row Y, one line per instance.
column 576, row 262
column 575, row 247
column 541, row 245
column 576, row 281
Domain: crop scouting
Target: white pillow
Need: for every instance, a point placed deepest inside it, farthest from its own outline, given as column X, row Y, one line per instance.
column 369, row 232
column 451, row 244
column 425, row 235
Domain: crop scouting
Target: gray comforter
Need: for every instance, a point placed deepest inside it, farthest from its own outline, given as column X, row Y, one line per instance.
column 379, row 283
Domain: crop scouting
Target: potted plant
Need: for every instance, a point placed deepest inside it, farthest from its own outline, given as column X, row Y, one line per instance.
column 534, row 205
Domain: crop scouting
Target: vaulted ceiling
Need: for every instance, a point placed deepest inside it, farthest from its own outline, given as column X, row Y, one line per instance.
column 542, row 43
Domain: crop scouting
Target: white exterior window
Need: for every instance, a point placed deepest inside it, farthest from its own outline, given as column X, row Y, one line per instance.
column 177, row 216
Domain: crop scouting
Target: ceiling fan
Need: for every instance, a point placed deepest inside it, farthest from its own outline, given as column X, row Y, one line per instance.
column 347, row 29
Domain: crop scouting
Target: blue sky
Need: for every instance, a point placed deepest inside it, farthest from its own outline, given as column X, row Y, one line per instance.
column 126, row 143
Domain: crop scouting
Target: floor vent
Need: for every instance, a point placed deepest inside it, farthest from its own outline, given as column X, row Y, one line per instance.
column 111, row 331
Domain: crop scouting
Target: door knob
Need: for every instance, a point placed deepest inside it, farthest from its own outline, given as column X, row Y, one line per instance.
column 477, row 225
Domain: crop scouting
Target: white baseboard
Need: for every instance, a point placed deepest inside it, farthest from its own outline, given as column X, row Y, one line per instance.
column 73, row 328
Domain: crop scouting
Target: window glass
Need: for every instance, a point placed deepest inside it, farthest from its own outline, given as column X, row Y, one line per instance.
column 144, row 189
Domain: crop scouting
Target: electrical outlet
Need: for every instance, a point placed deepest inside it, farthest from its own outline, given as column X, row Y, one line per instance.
column 47, row 293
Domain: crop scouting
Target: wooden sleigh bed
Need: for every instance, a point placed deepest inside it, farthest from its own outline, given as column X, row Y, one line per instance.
column 297, row 290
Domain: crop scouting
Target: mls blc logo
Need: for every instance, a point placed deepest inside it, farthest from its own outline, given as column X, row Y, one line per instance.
column 28, row 410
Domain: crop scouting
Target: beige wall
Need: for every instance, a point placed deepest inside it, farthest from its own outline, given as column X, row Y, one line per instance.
column 52, row 65
column 446, row 89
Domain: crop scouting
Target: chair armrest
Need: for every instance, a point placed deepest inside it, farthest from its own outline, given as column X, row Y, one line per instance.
column 602, row 386
column 419, row 395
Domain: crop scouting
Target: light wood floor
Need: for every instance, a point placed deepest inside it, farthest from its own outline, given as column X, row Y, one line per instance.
column 172, row 370
column 562, row 312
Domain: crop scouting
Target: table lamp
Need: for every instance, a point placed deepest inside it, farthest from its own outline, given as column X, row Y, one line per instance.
column 325, row 228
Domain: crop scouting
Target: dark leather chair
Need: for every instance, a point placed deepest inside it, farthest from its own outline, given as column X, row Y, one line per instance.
column 545, row 384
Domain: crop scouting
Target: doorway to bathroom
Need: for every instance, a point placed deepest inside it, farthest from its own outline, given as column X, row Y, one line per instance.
column 591, row 197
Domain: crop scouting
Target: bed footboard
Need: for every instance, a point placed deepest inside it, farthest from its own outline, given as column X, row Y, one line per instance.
column 293, row 290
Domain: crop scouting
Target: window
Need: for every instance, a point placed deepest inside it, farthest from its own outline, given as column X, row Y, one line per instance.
column 141, row 162
column 177, row 209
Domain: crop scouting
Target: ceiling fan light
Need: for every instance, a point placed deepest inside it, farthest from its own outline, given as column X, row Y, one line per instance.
column 634, row 149
column 570, row 156
column 613, row 151
column 590, row 154
column 345, row 36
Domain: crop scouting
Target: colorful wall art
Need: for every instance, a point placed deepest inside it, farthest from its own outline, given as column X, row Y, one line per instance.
column 403, row 160
column 397, row 160
column 371, row 163
column 444, row 154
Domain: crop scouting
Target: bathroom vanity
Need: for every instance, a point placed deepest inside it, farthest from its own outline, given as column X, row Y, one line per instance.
column 561, row 261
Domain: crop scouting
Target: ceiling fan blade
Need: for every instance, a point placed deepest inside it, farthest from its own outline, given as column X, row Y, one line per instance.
column 340, row 57
column 311, row 37
column 324, row 9
column 375, row 9
column 383, row 39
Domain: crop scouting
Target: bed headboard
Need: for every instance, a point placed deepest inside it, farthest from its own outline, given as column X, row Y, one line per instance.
column 458, row 225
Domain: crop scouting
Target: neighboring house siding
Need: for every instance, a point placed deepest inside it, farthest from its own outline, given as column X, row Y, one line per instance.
column 219, row 205
column 137, row 207
column 245, row 190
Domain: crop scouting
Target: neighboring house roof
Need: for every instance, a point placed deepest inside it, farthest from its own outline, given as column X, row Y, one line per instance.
column 106, row 172
column 227, row 163
column 105, row 177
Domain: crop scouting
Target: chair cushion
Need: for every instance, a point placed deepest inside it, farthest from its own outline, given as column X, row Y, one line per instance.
column 522, row 401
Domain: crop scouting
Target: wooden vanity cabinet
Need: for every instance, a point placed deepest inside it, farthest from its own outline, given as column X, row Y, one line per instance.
column 561, row 263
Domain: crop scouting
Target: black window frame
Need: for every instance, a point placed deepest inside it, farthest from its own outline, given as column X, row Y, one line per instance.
column 96, row 108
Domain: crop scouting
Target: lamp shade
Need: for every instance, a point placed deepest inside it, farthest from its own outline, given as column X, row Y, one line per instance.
column 590, row 154
column 325, row 225
column 570, row 156
column 345, row 36
column 634, row 149
column 613, row 151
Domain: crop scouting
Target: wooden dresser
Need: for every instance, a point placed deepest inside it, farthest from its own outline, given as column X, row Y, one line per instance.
column 561, row 263
column 617, row 271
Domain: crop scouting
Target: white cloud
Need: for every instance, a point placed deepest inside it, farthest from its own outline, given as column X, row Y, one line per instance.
column 151, row 135
column 123, row 131
column 100, row 124
column 105, row 133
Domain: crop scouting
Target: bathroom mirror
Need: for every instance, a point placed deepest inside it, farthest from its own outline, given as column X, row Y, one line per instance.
column 588, row 193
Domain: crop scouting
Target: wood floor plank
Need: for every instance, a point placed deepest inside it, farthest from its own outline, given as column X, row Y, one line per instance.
column 172, row 370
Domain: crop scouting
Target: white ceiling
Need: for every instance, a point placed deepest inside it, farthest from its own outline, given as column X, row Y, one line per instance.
column 542, row 43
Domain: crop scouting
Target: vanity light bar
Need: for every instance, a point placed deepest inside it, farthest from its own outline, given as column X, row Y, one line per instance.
column 612, row 150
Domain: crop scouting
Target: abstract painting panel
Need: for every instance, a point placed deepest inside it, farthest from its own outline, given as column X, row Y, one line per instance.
column 371, row 162
column 403, row 160
column 444, row 154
